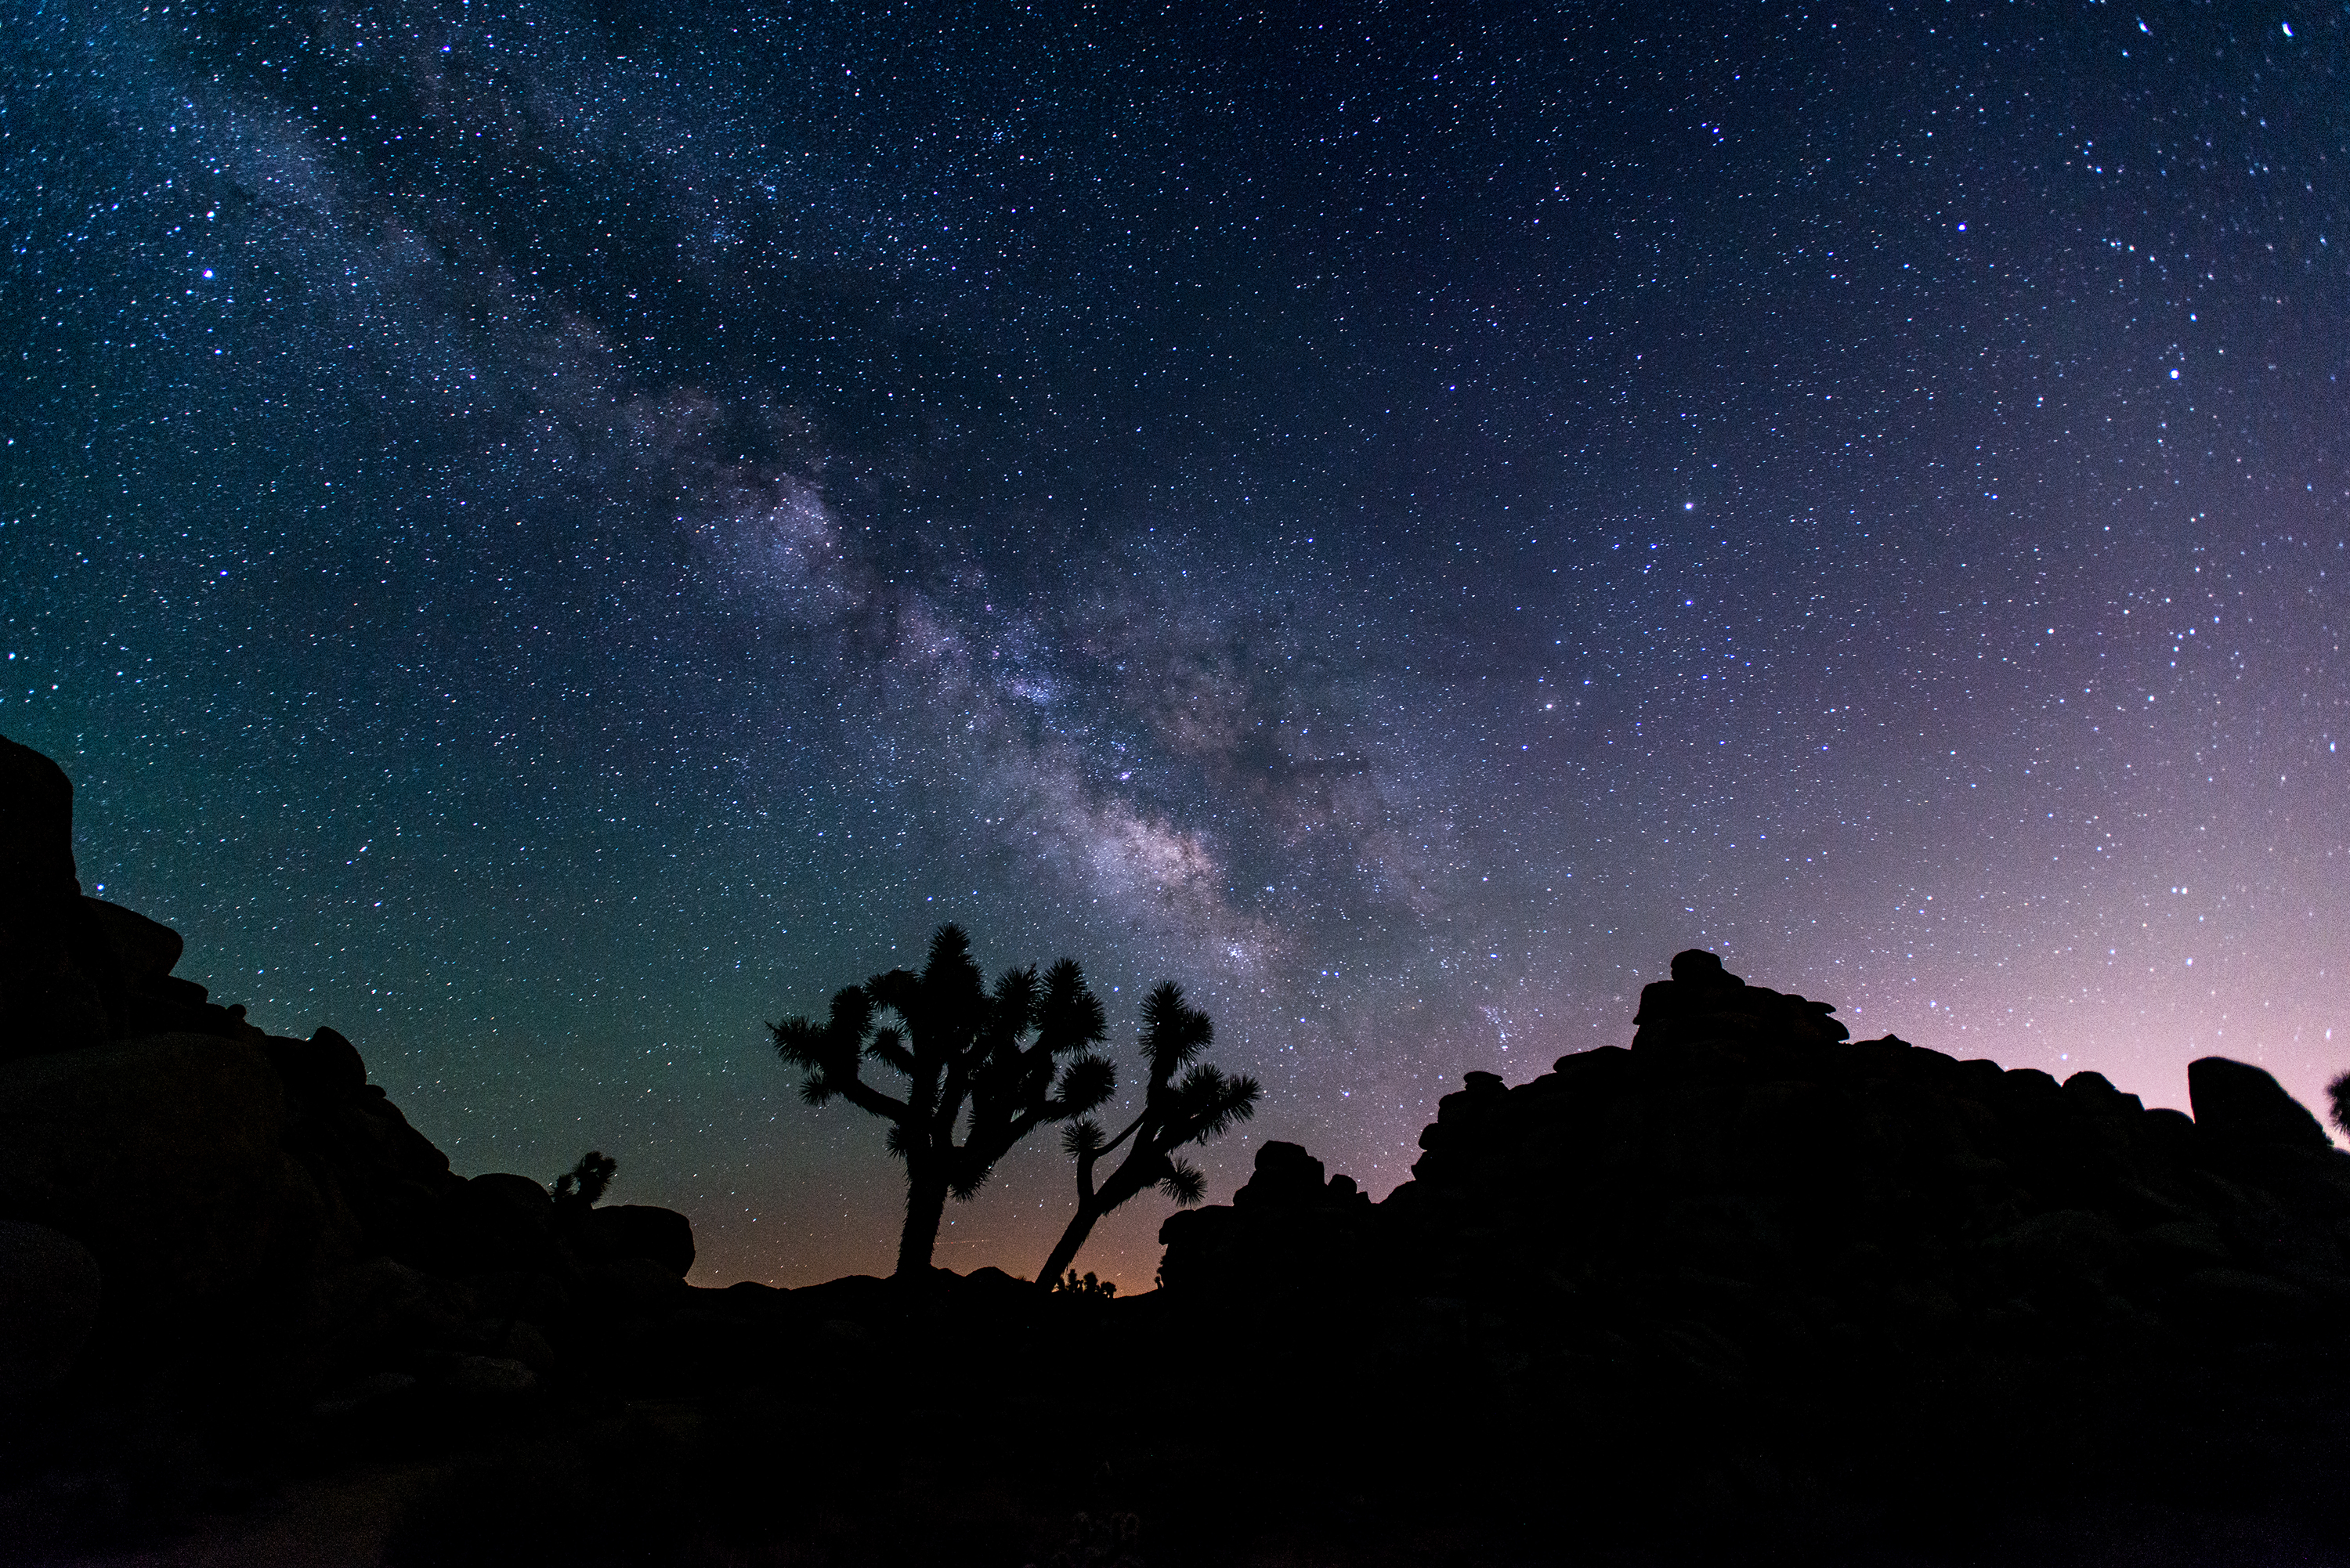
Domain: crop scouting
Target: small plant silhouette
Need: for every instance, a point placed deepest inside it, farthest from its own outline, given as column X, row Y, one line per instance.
column 1073, row 1285
column 2337, row 1094
column 1106, row 1542
column 1174, row 1114
column 584, row 1183
column 999, row 1064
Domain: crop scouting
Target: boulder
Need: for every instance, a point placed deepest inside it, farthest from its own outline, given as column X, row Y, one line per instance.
column 324, row 1068
column 489, row 1376
column 1287, row 1176
column 51, row 1289
column 497, row 1224
column 2238, row 1103
column 1286, row 1231
column 638, row 1285
column 2061, row 1246
column 2238, row 1303
column 165, row 1157
column 378, row 1313
column 2096, row 1097
column 370, row 1393
column 36, row 860
column 144, row 951
column 1702, row 972
column 525, row 1199
column 58, row 991
column 391, row 1176
column 2185, row 1244
column 641, row 1230
column 1705, row 1001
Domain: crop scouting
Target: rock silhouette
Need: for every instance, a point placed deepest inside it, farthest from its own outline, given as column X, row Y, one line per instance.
column 1744, row 1290
column 77, row 970
column 2240, row 1107
column 183, row 1196
column 1873, row 1187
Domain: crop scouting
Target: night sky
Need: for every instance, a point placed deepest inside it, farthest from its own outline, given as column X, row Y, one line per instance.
column 549, row 534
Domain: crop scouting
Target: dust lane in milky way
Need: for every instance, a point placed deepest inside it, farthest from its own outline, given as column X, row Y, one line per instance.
column 550, row 535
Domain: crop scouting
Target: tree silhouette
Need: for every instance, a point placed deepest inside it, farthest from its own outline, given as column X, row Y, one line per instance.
column 585, row 1182
column 1174, row 1114
column 993, row 1062
column 2338, row 1093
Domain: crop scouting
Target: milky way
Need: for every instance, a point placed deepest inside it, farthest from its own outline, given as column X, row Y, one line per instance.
column 547, row 537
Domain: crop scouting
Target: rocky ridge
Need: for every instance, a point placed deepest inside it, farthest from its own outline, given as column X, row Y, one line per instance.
column 1745, row 1289
column 1795, row 1292
column 1742, row 1137
column 190, row 1205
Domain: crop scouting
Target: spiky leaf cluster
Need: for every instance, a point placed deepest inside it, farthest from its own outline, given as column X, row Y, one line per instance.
column 1204, row 1103
column 1177, row 1111
column 585, row 1182
column 1010, row 1059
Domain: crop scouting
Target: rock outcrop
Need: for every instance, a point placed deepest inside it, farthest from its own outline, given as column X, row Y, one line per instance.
column 1744, row 1144
column 1747, row 1290
column 180, row 1189
column 1288, row 1230
column 167, row 1158
column 56, row 971
column 1749, row 1281
column 77, row 970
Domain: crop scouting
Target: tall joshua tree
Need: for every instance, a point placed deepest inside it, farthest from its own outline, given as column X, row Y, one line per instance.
column 1175, row 1114
column 999, row 1064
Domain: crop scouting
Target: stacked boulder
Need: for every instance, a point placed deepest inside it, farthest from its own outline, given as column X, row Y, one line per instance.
column 77, row 970
column 184, row 1194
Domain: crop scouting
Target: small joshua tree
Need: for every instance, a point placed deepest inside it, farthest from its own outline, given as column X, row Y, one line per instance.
column 584, row 1183
column 1174, row 1114
column 1109, row 1541
column 2338, row 1094
column 999, row 1064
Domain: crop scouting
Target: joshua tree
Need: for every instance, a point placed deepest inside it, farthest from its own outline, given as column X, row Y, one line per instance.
column 585, row 1182
column 992, row 1062
column 1174, row 1114
column 2338, row 1092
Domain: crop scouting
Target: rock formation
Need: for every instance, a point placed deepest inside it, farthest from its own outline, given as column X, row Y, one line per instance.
column 182, row 1194
column 1743, row 1144
column 1750, row 1281
column 77, row 970
column 1745, row 1290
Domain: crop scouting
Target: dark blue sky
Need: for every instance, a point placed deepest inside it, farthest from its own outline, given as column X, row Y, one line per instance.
column 548, row 536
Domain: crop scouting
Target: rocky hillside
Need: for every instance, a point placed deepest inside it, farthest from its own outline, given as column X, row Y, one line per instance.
column 1755, row 1281
column 188, row 1202
column 1744, row 1291
column 1869, row 1187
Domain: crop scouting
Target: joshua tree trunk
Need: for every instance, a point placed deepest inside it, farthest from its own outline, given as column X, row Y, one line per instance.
column 997, row 1064
column 926, row 1202
column 1065, row 1250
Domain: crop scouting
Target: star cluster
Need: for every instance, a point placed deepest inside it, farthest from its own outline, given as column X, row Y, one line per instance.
column 548, row 534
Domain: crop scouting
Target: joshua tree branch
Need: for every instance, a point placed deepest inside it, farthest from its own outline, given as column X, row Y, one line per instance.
column 872, row 1101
